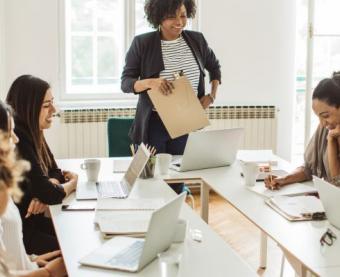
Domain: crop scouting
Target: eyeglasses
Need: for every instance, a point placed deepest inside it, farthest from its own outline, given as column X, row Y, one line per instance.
column 328, row 238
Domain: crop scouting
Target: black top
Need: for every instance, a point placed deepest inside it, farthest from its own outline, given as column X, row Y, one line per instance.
column 144, row 60
column 36, row 183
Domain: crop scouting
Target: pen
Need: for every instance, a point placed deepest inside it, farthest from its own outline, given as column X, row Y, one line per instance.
column 132, row 148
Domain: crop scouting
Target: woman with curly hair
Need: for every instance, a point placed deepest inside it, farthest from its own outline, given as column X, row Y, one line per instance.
column 13, row 258
column 152, row 60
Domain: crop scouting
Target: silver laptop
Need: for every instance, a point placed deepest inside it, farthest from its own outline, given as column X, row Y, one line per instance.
column 132, row 254
column 207, row 149
column 115, row 189
column 330, row 198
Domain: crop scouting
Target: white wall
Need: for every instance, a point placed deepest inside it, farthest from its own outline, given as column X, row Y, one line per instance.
column 254, row 41
column 31, row 40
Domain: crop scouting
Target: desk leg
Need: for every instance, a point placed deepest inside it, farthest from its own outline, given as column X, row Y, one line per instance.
column 263, row 250
column 205, row 201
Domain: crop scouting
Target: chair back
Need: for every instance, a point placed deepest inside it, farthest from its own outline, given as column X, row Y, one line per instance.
column 118, row 139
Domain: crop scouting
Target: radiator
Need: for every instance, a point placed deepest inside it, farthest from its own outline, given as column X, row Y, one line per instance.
column 81, row 133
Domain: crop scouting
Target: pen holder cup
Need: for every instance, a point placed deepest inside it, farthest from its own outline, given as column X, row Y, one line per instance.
column 149, row 169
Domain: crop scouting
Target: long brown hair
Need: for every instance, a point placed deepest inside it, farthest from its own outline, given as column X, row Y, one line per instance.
column 11, row 169
column 26, row 96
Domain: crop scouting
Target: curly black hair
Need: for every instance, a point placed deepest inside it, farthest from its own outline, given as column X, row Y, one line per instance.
column 158, row 10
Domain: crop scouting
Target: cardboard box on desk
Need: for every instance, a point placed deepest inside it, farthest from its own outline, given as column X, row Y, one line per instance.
column 180, row 111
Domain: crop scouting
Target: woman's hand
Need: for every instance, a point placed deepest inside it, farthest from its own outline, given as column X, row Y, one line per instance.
column 70, row 176
column 334, row 133
column 36, row 207
column 274, row 182
column 161, row 84
column 44, row 259
column 54, row 181
column 206, row 101
column 56, row 267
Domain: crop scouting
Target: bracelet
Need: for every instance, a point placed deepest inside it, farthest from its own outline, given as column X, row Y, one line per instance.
column 212, row 98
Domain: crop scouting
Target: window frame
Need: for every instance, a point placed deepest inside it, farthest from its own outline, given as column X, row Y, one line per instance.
column 64, row 70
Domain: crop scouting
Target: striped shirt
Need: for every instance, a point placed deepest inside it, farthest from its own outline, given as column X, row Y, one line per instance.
column 178, row 56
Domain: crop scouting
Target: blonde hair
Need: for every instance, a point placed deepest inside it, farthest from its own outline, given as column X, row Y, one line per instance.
column 11, row 169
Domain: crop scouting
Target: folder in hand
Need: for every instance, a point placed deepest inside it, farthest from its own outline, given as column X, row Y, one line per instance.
column 181, row 111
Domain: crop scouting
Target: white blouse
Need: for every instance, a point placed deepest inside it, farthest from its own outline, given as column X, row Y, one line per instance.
column 12, row 238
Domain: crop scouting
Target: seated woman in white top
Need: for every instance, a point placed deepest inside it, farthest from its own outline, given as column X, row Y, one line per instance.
column 14, row 261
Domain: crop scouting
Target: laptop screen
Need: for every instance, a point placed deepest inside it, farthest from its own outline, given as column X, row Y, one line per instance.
column 137, row 164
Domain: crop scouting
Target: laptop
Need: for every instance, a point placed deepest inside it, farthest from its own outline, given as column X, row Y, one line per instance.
column 207, row 149
column 115, row 189
column 330, row 198
column 132, row 254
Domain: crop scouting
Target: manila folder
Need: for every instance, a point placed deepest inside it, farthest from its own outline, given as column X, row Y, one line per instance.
column 180, row 111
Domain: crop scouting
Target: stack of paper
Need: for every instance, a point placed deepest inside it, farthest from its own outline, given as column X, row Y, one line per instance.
column 125, row 216
column 297, row 207
column 257, row 156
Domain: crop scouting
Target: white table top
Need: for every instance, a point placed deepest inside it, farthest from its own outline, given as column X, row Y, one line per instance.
column 77, row 235
column 301, row 239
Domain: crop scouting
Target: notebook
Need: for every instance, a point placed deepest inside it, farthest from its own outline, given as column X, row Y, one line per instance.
column 296, row 208
column 289, row 190
column 125, row 216
column 116, row 189
column 132, row 254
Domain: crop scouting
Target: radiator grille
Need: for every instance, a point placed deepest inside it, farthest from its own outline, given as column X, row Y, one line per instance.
column 215, row 112
column 82, row 133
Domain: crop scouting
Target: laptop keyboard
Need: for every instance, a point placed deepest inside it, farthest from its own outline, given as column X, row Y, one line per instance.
column 129, row 256
column 108, row 189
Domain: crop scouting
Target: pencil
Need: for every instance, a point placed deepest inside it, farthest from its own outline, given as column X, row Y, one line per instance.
column 132, row 148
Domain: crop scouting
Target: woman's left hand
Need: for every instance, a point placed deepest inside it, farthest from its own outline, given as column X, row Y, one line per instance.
column 43, row 260
column 206, row 101
column 334, row 133
column 36, row 207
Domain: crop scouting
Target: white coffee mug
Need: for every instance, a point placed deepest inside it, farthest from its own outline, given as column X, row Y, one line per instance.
column 92, row 167
column 250, row 171
column 163, row 161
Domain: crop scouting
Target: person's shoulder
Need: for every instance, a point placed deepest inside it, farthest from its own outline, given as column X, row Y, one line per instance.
column 193, row 34
column 146, row 37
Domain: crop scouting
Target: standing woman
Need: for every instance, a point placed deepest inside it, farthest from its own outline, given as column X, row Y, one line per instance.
column 32, row 102
column 152, row 60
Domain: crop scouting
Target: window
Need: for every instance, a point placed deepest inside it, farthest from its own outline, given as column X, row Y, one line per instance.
column 97, row 36
column 319, row 41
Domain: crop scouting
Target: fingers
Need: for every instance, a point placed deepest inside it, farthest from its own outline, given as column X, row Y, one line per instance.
column 165, row 87
column 35, row 207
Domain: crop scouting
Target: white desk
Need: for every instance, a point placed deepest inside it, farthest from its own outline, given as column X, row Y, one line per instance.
column 300, row 239
column 77, row 236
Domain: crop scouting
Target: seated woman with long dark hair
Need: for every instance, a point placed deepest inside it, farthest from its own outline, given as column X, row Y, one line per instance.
column 32, row 102
column 13, row 258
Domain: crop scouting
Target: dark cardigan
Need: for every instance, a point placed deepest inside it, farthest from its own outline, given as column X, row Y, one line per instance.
column 144, row 60
column 36, row 183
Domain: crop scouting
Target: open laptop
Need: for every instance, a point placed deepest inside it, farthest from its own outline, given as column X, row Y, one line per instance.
column 207, row 149
column 132, row 254
column 115, row 189
column 330, row 198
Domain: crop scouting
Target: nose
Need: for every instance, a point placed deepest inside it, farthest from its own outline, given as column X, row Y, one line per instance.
column 14, row 137
column 53, row 109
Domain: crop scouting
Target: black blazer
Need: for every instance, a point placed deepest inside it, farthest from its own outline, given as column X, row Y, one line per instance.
column 144, row 60
column 36, row 183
